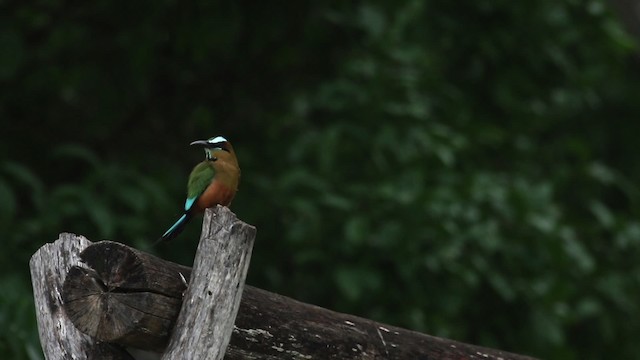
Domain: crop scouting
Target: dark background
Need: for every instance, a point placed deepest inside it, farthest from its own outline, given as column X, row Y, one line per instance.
column 465, row 169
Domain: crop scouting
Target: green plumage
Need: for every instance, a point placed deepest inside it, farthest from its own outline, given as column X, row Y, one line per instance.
column 201, row 176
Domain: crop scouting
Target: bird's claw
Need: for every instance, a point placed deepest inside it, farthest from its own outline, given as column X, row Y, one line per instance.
column 184, row 281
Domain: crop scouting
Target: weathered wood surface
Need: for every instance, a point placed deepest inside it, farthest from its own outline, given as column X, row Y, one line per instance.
column 267, row 326
column 271, row 326
column 210, row 305
column 274, row 327
column 111, row 292
column 58, row 337
column 123, row 295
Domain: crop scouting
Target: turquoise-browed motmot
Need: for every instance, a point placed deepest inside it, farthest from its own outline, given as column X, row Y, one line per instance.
column 213, row 181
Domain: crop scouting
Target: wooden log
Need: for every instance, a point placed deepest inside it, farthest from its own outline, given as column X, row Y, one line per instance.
column 272, row 326
column 131, row 298
column 267, row 326
column 123, row 295
column 58, row 337
column 205, row 324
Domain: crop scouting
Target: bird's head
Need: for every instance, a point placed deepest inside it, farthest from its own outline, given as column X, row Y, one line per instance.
column 217, row 148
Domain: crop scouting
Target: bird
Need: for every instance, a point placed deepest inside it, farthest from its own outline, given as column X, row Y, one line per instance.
column 211, row 182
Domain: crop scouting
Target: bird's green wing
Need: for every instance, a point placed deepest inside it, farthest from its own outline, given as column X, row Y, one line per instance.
column 201, row 176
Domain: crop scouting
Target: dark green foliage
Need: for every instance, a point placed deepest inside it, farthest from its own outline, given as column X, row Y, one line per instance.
column 469, row 171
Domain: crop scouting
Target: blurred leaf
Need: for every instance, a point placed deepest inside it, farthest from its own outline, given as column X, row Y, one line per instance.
column 25, row 176
column 7, row 204
column 76, row 152
column 602, row 214
column 602, row 173
column 100, row 215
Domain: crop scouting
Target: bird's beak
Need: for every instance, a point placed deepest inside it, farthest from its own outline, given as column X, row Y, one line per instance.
column 200, row 142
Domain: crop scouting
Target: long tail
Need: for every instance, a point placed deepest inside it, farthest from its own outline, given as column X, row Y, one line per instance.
column 176, row 228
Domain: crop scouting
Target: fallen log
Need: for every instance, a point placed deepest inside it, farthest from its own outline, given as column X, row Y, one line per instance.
column 127, row 298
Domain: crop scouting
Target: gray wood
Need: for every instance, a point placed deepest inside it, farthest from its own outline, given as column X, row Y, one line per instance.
column 58, row 337
column 210, row 305
column 274, row 327
column 267, row 325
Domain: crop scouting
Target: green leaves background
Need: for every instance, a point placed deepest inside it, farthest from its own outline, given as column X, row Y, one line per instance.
column 465, row 170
